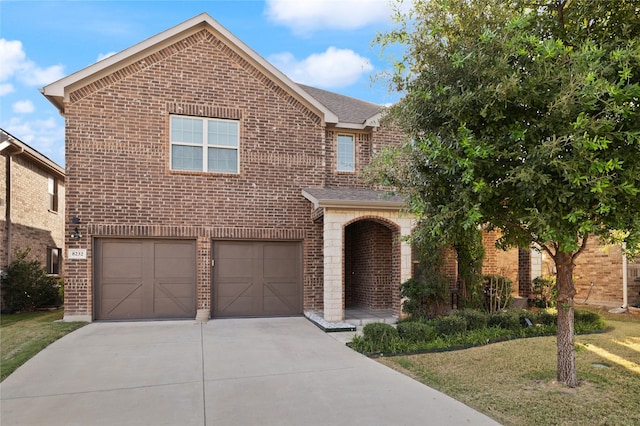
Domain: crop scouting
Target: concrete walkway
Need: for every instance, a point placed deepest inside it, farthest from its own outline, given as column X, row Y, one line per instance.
column 241, row 372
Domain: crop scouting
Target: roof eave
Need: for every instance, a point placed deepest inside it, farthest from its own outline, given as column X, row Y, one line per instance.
column 14, row 146
column 57, row 91
column 352, row 204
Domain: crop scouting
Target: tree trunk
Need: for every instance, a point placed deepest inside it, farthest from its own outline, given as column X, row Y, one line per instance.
column 566, row 291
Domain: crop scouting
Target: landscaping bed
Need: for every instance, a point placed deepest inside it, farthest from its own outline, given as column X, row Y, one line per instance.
column 464, row 329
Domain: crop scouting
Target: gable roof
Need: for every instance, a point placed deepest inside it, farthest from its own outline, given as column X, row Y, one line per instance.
column 11, row 145
column 352, row 113
column 58, row 91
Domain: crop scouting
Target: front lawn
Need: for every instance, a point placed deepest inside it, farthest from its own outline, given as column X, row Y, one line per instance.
column 514, row 381
column 22, row 336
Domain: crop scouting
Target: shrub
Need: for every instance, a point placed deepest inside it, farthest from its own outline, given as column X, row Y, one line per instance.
column 379, row 332
column 476, row 320
column 424, row 298
column 27, row 286
column 413, row 331
column 547, row 317
column 544, row 292
column 587, row 320
column 509, row 320
column 450, row 325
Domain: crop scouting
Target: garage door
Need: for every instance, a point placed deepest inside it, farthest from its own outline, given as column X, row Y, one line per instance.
column 257, row 278
column 145, row 279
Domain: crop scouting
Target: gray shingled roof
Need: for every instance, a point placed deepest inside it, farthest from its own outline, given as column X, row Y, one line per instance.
column 352, row 197
column 348, row 110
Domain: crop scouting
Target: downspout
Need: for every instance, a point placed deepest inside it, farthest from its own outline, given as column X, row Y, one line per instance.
column 625, row 300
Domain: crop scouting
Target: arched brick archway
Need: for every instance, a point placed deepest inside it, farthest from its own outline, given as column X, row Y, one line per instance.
column 371, row 264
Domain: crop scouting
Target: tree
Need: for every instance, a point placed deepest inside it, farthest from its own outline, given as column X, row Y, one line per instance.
column 522, row 116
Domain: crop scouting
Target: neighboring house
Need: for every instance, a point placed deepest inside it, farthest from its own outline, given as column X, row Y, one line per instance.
column 602, row 276
column 203, row 180
column 32, row 197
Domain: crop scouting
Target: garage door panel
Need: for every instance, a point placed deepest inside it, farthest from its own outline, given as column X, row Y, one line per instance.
column 173, row 268
column 267, row 281
column 126, row 250
column 139, row 279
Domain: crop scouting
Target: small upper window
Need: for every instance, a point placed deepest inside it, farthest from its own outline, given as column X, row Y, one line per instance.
column 204, row 144
column 346, row 153
column 53, row 194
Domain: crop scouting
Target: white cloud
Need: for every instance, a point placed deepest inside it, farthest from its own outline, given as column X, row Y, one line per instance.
column 15, row 64
column 305, row 16
column 102, row 56
column 6, row 88
column 46, row 136
column 23, row 107
column 331, row 69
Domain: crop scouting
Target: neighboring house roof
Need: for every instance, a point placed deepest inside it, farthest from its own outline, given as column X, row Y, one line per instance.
column 351, row 112
column 11, row 145
column 353, row 198
column 58, row 92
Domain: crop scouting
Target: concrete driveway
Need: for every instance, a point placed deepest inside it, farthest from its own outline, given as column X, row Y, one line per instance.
column 276, row 371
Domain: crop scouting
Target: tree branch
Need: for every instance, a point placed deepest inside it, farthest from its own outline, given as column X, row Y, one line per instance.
column 585, row 238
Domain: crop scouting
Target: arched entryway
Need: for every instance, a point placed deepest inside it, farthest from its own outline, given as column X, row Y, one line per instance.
column 371, row 265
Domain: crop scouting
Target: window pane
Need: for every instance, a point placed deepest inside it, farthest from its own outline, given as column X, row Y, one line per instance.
column 223, row 133
column 346, row 162
column 223, row 160
column 187, row 130
column 186, row 158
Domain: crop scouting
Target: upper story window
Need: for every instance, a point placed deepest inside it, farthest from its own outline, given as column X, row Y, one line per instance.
column 53, row 194
column 204, row 144
column 346, row 153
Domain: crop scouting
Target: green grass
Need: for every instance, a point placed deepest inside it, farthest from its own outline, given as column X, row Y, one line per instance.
column 22, row 336
column 514, row 381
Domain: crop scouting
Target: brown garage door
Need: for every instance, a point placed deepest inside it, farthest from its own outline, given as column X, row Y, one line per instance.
column 145, row 279
column 257, row 278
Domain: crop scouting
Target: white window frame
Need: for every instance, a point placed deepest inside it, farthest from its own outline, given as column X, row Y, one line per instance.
column 204, row 144
column 340, row 165
column 52, row 190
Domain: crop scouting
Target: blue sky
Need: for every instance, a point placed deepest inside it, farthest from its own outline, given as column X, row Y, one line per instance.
column 322, row 43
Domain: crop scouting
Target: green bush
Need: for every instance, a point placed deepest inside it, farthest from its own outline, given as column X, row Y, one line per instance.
column 379, row 332
column 547, row 317
column 587, row 321
column 509, row 320
column 27, row 286
column 544, row 292
column 425, row 297
column 476, row 320
column 414, row 331
column 450, row 325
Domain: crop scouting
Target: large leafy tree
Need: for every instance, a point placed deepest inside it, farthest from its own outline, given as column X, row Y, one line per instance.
column 524, row 116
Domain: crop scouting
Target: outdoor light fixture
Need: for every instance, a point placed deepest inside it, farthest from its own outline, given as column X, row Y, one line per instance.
column 76, row 235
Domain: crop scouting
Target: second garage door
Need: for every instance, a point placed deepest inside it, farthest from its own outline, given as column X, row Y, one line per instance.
column 145, row 279
column 257, row 278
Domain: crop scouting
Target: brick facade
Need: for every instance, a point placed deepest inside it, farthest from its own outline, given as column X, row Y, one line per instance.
column 120, row 182
column 33, row 224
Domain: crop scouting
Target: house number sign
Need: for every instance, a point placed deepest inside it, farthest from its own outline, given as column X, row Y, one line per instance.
column 77, row 253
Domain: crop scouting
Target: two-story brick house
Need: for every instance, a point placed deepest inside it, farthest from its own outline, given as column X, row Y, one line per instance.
column 32, row 199
column 203, row 180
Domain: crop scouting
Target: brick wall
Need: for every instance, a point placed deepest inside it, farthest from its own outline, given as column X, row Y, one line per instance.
column 33, row 225
column 119, row 177
column 368, row 271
